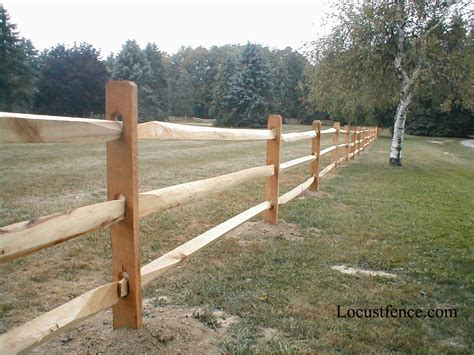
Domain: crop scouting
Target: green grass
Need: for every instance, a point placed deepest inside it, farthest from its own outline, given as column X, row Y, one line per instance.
column 415, row 221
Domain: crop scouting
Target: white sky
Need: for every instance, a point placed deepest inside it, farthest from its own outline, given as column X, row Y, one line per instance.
column 107, row 24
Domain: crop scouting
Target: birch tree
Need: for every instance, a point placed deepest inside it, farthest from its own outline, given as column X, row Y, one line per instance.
column 373, row 59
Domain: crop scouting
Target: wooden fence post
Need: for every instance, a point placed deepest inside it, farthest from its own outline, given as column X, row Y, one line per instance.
column 315, row 150
column 359, row 134
column 347, row 141
column 353, row 140
column 122, row 182
column 273, row 157
column 335, row 141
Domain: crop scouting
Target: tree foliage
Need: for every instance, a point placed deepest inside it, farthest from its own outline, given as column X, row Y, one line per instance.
column 71, row 81
column 362, row 68
column 18, row 67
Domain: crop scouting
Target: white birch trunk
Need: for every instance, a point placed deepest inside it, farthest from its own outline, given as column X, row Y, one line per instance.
column 399, row 130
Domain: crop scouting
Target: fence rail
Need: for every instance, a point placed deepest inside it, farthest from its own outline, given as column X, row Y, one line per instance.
column 125, row 205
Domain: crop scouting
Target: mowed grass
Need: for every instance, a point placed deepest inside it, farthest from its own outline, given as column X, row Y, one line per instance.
column 415, row 221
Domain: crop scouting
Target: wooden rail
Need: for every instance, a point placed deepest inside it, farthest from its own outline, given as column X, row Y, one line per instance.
column 125, row 206
column 24, row 128
column 170, row 131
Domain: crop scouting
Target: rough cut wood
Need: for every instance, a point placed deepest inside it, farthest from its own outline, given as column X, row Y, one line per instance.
column 177, row 195
column 26, row 237
column 327, row 169
column 316, row 151
column 157, row 267
column 24, row 128
column 165, row 130
column 335, row 142
column 327, row 150
column 272, row 185
column 297, row 136
column 122, row 180
column 295, row 162
column 295, row 192
column 346, row 142
column 329, row 130
column 48, row 325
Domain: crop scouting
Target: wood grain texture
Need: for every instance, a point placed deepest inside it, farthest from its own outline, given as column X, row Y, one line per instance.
column 25, row 128
column 169, row 260
column 297, row 136
column 295, row 192
column 178, row 195
column 48, row 325
column 175, row 131
column 328, row 130
column 296, row 162
column 122, row 180
column 347, row 129
column 327, row 150
column 327, row 169
column 26, row 237
column 316, row 151
column 335, row 142
column 272, row 184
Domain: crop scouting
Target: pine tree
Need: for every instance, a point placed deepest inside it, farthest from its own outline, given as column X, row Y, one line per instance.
column 246, row 102
column 154, row 85
column 18, row 67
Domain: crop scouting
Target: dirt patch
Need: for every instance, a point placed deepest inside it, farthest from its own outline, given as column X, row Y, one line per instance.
column 468, row 143
column 354, row 271
column 165, row 330
column 255, row 232
column 441, row 142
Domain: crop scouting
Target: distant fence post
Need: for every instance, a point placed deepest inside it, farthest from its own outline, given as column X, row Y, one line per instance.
column 316, row 150
column 335, row 141
column 353, row 140
column 359, row 136
column 346, row 141
column 122, row 181
column 273, row 157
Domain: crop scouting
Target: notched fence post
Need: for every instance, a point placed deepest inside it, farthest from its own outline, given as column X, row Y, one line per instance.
column 273, row 157
column 335, row 141
column 315, row 150
column 122, row 180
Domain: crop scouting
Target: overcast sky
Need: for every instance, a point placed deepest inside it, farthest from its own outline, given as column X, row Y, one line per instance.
column 108, row 24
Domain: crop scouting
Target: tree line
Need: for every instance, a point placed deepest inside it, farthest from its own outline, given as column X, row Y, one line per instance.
column 238, row 85
column 350, row 75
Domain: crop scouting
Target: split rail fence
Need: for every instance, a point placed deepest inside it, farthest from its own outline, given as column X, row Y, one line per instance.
column 125, row 205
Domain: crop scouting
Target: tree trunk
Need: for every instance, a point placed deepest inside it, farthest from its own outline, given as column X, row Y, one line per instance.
column 399, row 129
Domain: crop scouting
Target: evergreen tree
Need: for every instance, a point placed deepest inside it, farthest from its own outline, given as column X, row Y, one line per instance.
column 18, row 67
column 246, row 102
column 72, row 81
column 287, row 82
column 180, row 92
column 154, row 85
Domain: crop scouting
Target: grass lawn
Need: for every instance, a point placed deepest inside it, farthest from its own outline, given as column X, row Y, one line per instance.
column 415, row 222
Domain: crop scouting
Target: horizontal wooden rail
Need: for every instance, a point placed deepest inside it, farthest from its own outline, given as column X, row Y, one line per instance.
column 327, row 150
column 26, row 237
column 48, row 325
column 328, row 130
column 177, row 195
column 327, row 169
column 295, row 191
column 169, row 131
column 295, row 162
column 342, row 145
column 297, row 136
column 157, row 267
column 25, row 128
